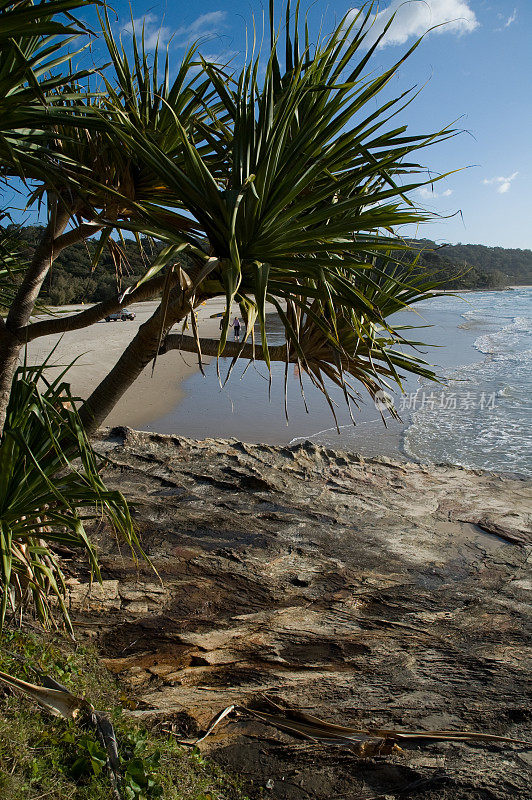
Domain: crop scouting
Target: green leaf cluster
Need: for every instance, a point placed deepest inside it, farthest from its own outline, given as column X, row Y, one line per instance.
column 291, row 174
column 50, row 486
column 294, row 180
column 38, row 754
column 34, row 64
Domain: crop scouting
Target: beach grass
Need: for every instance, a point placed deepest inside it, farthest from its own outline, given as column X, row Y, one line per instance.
column 46, row 757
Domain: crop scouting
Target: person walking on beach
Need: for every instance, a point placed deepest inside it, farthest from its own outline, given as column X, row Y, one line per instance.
column 236, row 327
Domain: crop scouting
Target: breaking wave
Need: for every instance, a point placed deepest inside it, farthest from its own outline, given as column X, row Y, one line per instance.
column 494, row 429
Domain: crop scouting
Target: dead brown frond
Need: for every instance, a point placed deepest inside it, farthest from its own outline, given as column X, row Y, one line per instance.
column 365, row 742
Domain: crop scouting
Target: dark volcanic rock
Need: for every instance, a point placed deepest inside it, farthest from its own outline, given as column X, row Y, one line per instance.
column 365, row 592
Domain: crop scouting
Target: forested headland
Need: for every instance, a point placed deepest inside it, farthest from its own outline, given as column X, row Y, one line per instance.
column 476, row 266
column 74, row 279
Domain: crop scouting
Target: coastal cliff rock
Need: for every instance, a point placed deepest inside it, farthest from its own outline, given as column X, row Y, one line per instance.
column 366, row 592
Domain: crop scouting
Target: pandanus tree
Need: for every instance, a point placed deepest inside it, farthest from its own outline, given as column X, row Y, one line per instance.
column 296, row 204
column 87, row 181
column 282, row 183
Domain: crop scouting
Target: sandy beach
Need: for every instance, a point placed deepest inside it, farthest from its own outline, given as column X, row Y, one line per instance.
column 99, row 346
column 482, row 344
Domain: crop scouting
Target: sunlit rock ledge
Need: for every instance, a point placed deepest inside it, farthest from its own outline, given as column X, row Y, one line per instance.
column 364, row 591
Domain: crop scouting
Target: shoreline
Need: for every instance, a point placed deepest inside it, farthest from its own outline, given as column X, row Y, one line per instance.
column 98, row 347
column 469, row 430
column 179, row 400
column 246, row 411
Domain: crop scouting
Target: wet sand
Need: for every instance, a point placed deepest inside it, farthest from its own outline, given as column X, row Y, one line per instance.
column 245, row 408
column 178, row 399
column 98, row 347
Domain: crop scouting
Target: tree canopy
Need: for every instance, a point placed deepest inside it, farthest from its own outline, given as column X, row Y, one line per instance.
column 74, row 279
column 282, row 180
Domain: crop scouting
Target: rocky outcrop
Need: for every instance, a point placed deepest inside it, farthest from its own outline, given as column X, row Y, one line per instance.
column 366, row 592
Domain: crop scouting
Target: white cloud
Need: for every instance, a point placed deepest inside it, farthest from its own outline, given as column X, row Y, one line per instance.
column 205, row 25
column 415, row 17
column 428, row 194
column 511, row 19
column 208, row 24
column 223, row 57
column 503, row 184
column 154, row 31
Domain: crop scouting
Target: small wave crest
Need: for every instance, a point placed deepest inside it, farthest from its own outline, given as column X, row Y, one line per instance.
column 334, row 429
column 506, row 340
column 493, row 430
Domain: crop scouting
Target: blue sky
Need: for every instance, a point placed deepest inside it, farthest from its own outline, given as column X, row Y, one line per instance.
column 477, row 70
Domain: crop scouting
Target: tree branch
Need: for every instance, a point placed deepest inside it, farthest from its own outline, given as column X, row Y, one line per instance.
column 75, row 236
column 209, row 347
column 147, row 290
column 89, row 316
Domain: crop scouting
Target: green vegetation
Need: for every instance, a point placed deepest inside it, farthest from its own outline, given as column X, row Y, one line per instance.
column 74, row 279
column 514, row 264
column 42, row 756
column 49, row 486
column 475, row 266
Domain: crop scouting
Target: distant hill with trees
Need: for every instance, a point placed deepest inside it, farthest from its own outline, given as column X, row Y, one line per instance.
column 475, row 266
column 73, row 280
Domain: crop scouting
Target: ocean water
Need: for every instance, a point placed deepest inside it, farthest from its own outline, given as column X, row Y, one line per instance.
column 485, row 418
column 480, row 417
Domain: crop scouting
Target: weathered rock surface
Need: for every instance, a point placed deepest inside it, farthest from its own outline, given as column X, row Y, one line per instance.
column 366, row 592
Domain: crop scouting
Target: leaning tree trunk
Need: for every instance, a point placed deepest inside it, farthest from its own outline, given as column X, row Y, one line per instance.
column 142, row 349
column 10, row 347
column 23, row 304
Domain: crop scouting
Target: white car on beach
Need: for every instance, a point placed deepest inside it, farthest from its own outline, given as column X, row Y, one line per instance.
column 123, row 315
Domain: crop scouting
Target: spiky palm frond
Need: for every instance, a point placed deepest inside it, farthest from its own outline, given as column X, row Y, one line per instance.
column 34, row 56
column 375, row 355
column 31, row 20
column 119, row 188
column 316, row 180
column 49, row 487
